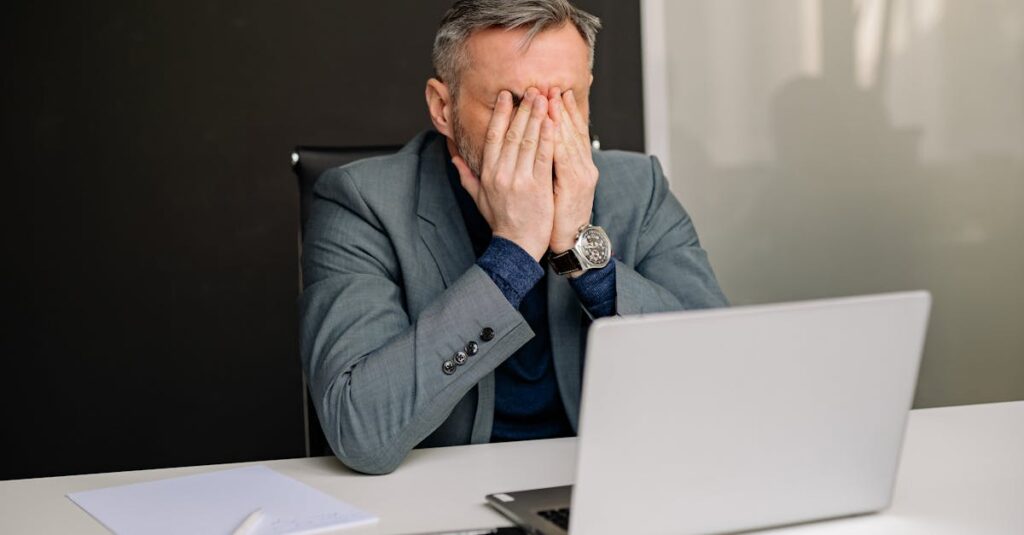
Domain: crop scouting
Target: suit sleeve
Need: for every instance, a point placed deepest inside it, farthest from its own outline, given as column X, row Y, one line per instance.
column 671, row 271
column 376, row 376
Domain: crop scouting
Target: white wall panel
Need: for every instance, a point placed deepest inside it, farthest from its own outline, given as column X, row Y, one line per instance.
column 837, row 147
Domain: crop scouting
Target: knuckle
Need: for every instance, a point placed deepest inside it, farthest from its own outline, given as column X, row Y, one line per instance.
column 493, row 135
column 512, row 136
column 528, row 142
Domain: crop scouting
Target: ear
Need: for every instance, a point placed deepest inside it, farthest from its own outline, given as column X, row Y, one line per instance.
column 439, row 105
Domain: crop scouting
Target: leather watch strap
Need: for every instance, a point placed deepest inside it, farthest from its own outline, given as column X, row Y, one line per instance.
column 564, row 263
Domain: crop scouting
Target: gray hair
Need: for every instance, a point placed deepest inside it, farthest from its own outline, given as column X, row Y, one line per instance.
column 468, row 16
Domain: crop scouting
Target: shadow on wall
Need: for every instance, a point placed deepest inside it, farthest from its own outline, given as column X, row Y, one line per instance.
column 914, row 180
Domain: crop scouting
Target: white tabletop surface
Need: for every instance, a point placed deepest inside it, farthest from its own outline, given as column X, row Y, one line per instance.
column 962, row 471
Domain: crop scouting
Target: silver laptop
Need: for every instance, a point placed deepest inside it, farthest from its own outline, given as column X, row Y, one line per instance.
column 737, row 419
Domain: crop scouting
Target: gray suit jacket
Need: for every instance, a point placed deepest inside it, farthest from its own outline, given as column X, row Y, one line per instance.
column 392, row 291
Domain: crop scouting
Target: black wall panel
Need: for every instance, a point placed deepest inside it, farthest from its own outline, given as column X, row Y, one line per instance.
column 150, row 216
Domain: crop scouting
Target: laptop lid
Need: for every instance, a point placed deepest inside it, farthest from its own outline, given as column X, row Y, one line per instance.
column 748, row 417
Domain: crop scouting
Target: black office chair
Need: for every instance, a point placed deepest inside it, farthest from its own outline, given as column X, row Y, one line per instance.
column 308, row 163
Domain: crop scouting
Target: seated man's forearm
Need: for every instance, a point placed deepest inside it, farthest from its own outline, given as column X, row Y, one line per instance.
column 379, row 402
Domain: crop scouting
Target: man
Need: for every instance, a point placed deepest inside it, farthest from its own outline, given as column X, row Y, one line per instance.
column 449, row 287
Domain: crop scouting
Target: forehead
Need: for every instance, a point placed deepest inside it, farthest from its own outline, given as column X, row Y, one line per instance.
column 498, row 60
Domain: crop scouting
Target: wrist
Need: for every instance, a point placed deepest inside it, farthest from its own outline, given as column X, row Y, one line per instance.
column 566, row 240
column 511, row 269
column 562, row 244
column 537, row 251
column 560, row 247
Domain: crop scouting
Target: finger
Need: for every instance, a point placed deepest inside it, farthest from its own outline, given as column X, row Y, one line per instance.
column 569, row 97
column 531, row 137
column 545, row 151
column 580, row 144
column 469, row 180
column 514, row 135
column 560, row 162
column 553, row 95
column 496, row 129
column 568, row 139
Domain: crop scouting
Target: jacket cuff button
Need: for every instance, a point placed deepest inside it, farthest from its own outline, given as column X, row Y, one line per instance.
column 472, row 348
column 460, row 357
column 448, row 367
column 487, row 334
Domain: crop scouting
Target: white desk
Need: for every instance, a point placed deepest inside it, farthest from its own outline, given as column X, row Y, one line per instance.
column 962, row 472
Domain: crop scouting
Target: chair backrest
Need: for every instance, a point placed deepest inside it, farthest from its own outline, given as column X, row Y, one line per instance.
column 309, row 163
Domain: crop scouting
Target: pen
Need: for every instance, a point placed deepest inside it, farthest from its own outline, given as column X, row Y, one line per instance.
column 247, row 525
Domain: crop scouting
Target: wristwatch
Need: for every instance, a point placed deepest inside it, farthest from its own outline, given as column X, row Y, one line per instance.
column 593, row 250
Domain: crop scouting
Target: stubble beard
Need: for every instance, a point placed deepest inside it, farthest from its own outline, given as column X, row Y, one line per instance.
column 472, row 155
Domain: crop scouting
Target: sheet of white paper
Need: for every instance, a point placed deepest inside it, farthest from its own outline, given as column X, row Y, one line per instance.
column 216, row 503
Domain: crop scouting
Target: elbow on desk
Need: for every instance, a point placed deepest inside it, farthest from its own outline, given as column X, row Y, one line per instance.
column 362, row 454
column 358, row 446
column 369, row 465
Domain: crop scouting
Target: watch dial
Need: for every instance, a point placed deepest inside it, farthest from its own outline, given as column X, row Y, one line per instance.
column 595, row 247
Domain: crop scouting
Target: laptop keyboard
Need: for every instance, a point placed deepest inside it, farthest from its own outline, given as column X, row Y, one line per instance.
column 558, row 517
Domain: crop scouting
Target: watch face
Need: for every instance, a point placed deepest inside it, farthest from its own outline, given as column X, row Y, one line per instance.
column 595, row 247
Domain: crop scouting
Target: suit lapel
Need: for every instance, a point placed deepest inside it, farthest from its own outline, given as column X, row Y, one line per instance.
column 441, row 226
